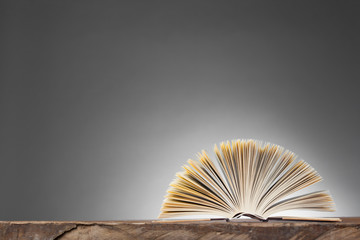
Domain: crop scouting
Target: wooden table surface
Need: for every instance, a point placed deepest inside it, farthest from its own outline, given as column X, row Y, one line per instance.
column 349, row 228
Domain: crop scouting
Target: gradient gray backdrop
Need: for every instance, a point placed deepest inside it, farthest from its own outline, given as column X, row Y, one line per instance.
column 101, row 102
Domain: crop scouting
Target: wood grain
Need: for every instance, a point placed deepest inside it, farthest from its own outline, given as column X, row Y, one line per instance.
column 349, row 228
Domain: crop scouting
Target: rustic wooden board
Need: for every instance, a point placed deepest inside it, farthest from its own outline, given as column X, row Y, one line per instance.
column 349, row 228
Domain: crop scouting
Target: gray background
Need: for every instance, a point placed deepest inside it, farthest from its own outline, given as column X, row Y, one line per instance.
column 101, row 102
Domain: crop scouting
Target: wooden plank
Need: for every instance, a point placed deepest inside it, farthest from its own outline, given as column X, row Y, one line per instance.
column 349, row 228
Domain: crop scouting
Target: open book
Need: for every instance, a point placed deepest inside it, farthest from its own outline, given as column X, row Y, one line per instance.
column 250, row 179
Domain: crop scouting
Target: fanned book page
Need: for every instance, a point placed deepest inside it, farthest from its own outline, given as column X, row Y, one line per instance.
column 249, row 179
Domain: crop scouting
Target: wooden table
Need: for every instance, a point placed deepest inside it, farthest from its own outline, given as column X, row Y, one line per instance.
column 349, row 228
